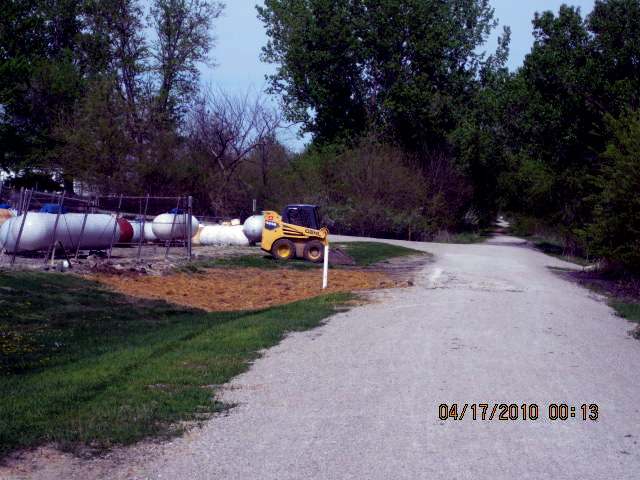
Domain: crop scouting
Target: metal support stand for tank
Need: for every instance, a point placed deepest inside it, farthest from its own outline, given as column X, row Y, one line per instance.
column 173, row 224
column 189, row 232
column 115, row 226
column 51, row 250
column 84, row 224
column 24, row 219
column 21, row 201
column 144, row 220
column 23, row 204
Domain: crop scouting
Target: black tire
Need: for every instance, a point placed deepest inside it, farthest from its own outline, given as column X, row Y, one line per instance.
column 314, row 251
column 283, row 249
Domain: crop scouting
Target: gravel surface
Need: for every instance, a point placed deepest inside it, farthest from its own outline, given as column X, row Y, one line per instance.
column 358, row 398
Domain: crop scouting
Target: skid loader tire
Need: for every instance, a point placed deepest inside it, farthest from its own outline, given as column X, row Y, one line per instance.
column 314, row 251
column 283, row 249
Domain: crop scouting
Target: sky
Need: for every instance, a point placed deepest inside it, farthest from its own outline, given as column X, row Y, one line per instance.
column 240, row 36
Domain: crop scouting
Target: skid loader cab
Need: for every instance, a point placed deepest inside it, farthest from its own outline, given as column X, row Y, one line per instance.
column 295, row 233
column 302, row 215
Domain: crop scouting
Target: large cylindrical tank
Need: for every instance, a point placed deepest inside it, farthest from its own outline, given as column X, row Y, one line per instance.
column 170, row 226
column 98, row 231
column 126, row 230
column 252, row 228
column 5, row 214
column 36, row 234
column 195, row 240
column 149, row 236
column 223, row 235
column 38, row 229
column 136, row 226
column 5, row 228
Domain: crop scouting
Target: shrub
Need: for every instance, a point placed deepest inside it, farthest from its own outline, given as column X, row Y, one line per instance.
column 615, row 232
column 376, row 189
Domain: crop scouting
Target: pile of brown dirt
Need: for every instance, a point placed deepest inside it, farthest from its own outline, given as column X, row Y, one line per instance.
column 244, row 288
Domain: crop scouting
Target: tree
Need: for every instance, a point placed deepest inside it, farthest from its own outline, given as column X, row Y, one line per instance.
column 224, row 132
column 615, row 232
column 402, row 68
column 183, row 31
column 553, row 121
column 41, row 77
column 615, row 25
column 319, row 58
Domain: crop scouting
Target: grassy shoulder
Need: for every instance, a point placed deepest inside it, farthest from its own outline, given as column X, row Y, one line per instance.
column 363, row 253
column 627, row 309
column 463, row 238
column 554, row 248
column 621, row 290
column 545, row 238
column 87, row 368
column 366, row 254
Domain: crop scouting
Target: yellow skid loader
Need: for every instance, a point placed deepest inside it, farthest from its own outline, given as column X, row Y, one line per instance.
column 295, row 233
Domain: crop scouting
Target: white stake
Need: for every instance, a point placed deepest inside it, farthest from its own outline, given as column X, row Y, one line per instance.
column 325, row 270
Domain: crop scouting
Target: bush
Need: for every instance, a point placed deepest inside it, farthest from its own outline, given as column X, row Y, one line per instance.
column 615, row 232
column 376, row 189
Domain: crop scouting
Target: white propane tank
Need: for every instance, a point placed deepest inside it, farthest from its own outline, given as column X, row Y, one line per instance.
column 170, row 226
column 239, row 238
column 223, row 235
column 98, row 231
column 195, row 240
column 209, row 234
column 37, row 232
column 149, row 236
column 137, row 230
column 5, row 214
column 4, row 231
column 252, row 228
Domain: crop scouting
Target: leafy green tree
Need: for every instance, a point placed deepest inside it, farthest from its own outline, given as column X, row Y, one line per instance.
column 480, row 139
column 183, row 31
column 320, row 62
column 553, row 123
column 615, row 232
column 40, row 76
column 403, row 68
column 615, row 48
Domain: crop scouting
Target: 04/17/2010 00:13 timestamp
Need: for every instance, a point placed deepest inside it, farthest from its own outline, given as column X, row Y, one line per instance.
column 513, row 411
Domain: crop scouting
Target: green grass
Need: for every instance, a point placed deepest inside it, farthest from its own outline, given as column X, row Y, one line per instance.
column 368, row 253
column 364, row 254
column 555, row 249
column 628, row 310
column 86, row 368
column 464, row 238
column 243, row 261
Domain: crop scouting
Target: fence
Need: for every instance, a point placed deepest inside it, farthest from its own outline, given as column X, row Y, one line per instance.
column 138, row 211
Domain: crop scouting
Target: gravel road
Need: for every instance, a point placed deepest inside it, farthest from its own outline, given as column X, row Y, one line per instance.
column 358, row 398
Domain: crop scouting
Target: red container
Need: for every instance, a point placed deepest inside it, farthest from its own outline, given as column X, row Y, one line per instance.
column 126, row 231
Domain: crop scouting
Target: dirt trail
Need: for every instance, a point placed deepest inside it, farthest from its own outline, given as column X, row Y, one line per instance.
column 358, row 398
